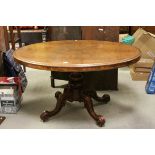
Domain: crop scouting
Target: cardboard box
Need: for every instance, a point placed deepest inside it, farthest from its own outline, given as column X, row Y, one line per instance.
column 144, row 63
column 142, row 69
column 10, row 94
column 145, row 41
column 138, row 76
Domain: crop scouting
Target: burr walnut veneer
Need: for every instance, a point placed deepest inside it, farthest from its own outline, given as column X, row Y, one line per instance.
column 77, row 56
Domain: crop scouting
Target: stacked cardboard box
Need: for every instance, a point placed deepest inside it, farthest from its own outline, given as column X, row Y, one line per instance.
column 141, row 70
column 10, row 94
column 145, row 41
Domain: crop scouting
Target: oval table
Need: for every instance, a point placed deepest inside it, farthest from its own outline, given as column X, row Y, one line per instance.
column 77, row 56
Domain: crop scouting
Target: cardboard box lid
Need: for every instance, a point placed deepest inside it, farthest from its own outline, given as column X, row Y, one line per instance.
column 145, row 41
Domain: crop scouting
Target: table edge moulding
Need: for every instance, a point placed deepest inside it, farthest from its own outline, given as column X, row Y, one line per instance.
column 74, row 67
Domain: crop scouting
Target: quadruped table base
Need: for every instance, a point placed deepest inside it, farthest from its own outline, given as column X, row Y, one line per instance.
column 75, row 91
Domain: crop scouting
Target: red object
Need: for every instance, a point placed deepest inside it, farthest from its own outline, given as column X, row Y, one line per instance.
column 12, row 80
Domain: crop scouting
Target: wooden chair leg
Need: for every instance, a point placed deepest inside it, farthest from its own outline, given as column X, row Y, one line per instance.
column 12, row 36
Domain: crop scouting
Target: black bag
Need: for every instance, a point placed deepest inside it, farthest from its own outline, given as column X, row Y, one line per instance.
column 13, row 69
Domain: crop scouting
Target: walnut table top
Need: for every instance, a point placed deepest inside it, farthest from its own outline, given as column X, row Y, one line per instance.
column 77, row 55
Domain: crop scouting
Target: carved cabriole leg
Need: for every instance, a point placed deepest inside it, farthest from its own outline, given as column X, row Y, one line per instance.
column 61, row 99
column 92, row 93
column 89, row 106
column 74, row 91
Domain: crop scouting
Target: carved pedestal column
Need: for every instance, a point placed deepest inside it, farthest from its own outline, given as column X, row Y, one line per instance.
column 75, row 91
